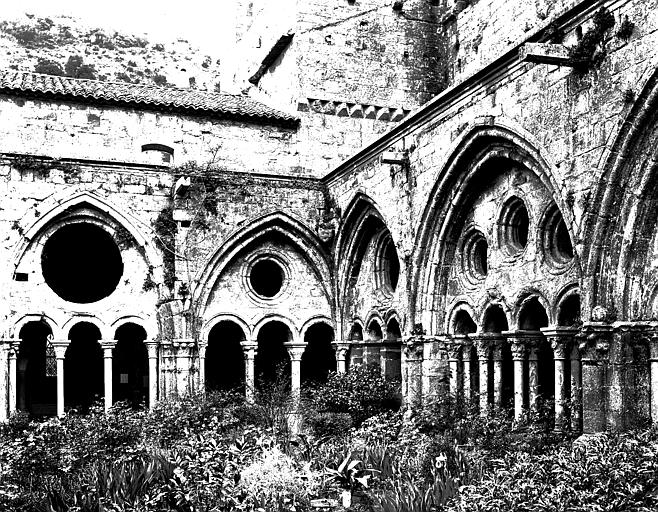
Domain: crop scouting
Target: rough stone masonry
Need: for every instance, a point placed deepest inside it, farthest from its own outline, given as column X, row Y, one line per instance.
column 462, row 193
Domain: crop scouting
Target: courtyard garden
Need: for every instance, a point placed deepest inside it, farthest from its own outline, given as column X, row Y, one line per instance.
column 354, row 449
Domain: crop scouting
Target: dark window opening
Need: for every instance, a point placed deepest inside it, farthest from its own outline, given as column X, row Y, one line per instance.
column 36, row 383
column 130, row 366
column 266, row 278
column 391, row 264
column 495, row 319
column 569, row 312
column 272, row 361
column 224, row 358
column 83, row 368
column 20, row 276
column 515, row 224
column 81, row 263
column 532, row 315
column 463, row 323
column 319, row 358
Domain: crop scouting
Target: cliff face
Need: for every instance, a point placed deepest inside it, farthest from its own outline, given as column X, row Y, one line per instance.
column 32, row 43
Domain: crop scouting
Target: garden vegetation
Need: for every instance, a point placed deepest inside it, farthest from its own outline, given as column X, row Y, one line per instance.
column 219, row 453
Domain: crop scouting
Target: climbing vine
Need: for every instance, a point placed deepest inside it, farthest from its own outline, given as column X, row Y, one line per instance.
column 589, row 50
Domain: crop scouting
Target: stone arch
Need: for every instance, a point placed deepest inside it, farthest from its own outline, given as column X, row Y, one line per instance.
column 318, row 359
column 393, row 328
column 130, row 372
column 83, row 362
column 274, row 317
column 272, row 363
column 623, row 214
column 459, row 314
column 494, row 318
column 532, row 313
column 90, row 319
column 528, row 296
column 36, row 370
column 376, row 323
column 150, row 328
column 569, row 297
column 226, row 317
column 25, row 319
column 315, row 320
column 224, row 362
column 46, row 213
column 308, row 243
column 455, row 187
column 362, row 222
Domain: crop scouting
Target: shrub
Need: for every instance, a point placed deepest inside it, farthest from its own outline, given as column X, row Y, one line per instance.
column 276, row 482
column 49, row 67
column 597, row 472
column 361, row 393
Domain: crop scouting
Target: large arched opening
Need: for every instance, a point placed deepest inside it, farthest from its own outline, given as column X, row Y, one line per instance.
column 532, row 317
column 272, row 363
column 83, row 367
column 130, row 365
column 225, row 367
column 319, row 357
column 36, row 371
column 391, row 356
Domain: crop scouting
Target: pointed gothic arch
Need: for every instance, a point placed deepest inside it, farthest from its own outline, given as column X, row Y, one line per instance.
column 475, row 151
column 300, row 236
column 624, row 212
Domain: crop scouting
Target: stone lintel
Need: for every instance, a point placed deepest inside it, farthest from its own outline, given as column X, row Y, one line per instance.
column 545, row 53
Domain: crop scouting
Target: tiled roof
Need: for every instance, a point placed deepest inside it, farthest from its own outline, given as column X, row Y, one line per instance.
column 95, row 91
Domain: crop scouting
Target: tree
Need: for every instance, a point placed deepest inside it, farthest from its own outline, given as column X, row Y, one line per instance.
column 49, row 67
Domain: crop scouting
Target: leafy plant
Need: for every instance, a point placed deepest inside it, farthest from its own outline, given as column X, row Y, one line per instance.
column 350, row 474
column 586, row 53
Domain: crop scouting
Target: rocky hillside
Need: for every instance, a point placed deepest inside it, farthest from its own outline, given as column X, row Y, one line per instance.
column 65, row 46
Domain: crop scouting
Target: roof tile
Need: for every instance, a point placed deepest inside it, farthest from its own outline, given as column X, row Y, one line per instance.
column 230, row 105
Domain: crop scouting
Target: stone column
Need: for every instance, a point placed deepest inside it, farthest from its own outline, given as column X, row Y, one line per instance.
column 483, row 347
column 107, row 346
column 296, row 351
column 249, row 349
column 60, row 347
column 653, row 368
column 453, row 348
column 497, row 354
column 13, row 374
column 576, row 390
column 342, row 349
column 412, row 369
column 594, row 346
column 183, row 348
column 390, row 358
column 202, row 347
column 518, row 342
column 533, row 372
column 152, row 352
column 4, row 379
column 465, row 345
column 560, row 339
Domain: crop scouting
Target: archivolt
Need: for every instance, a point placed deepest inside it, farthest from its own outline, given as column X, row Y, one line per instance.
column 622, row 216
column 435, row 239
column 297, row 233
column 45, row 214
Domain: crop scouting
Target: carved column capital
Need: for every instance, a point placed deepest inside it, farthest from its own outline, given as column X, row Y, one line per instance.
column 561, row 339
column 342, row 348
column 485, row 343
column 249, row 349
column 60, row 347
column 594, row 340
column 413, row 347
column 295, row 350
column 107, row 346
column 152, row 348
column 183, row 343
column 465, row 344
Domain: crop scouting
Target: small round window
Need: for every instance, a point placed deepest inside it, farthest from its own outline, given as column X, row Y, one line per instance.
column 556, row 240
column 475, row 256
column 266, row 278
column 514, row 226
